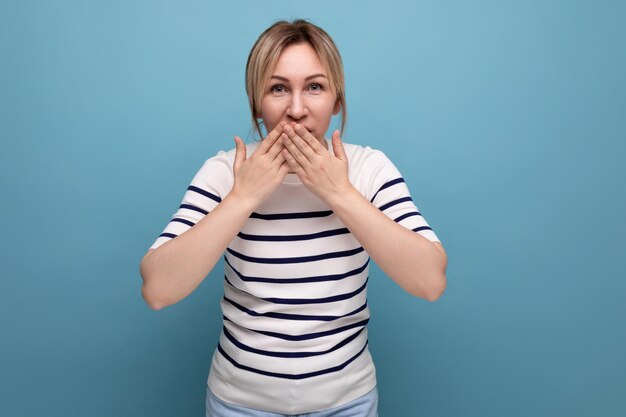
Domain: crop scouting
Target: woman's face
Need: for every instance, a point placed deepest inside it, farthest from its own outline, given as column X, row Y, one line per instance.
column 299, row 92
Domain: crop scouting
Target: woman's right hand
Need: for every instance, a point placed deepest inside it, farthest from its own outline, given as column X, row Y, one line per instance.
column 258, row 176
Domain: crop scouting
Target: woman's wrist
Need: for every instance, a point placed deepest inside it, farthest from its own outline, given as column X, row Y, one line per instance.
column 343, row 196
column 242, row 201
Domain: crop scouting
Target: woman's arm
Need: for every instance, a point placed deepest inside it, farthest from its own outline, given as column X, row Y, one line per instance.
column 176, row 268
column 414, row 262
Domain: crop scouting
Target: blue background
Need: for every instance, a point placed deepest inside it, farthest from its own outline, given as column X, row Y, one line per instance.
column 507, row 120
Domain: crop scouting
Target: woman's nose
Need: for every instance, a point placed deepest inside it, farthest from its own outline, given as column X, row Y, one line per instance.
column 297, row 107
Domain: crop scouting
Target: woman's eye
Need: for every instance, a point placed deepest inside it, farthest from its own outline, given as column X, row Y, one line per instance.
column 278, row 88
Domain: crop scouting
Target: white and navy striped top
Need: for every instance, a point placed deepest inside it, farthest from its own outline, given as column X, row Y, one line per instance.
column 295, row 309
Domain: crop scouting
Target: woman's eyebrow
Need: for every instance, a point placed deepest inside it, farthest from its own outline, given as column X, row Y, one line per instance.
column 306, row 79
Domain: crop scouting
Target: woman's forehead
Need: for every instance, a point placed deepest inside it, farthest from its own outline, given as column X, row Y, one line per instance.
column 298, row 60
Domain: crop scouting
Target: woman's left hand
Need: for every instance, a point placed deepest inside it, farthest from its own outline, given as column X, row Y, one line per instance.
column 325, row 174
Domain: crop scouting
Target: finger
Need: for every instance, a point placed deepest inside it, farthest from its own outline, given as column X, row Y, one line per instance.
column 300, row 143
column 284, row 168
column 271, row 138
column 338, row 148
column 279, row 160
column 309, row 138
column 295, row 153
column 240, row 153
column 277, row 147
column 293, row 164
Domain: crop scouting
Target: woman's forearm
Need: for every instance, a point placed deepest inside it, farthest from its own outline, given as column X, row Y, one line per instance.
column 410, row 259
column 175, row 269
column 414, row 262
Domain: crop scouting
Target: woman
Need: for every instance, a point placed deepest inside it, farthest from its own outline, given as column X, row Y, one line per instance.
column 299, row 222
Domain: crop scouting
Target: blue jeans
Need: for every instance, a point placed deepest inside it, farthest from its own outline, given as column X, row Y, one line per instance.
column 365, row 406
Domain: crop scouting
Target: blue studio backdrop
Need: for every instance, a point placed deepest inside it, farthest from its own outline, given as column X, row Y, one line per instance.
column 506, row 118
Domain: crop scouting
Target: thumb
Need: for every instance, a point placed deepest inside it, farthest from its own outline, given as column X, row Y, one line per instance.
column 338, row 149
column 240, row 153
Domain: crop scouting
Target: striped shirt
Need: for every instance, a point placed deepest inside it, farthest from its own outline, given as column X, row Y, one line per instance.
column 295, row 314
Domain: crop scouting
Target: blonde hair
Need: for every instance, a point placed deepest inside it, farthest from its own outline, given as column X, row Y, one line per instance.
column 268, row 47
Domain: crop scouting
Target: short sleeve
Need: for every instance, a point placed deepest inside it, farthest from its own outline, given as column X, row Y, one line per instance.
column 389, row 192
column 208, row 187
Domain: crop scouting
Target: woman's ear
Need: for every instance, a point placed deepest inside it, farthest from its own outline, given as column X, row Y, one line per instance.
column 336, row 108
